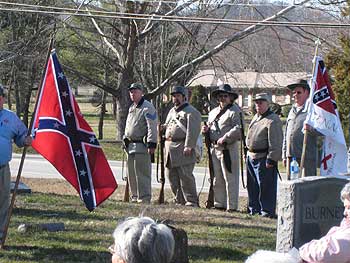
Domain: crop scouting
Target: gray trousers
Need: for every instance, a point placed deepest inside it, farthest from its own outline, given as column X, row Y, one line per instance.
column 182, row 183
column 139, row 176
column 226, row 184
column 5, row 180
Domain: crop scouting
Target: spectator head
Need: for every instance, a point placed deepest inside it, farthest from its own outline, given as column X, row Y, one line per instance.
column 141, row 239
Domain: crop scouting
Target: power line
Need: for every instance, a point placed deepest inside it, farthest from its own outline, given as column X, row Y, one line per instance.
column 161, row 18
column 213, row 4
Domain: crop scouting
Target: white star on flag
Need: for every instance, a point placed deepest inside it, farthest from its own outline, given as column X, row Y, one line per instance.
column 60, row 75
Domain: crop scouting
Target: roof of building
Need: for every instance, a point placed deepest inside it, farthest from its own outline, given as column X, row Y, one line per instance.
column 247, row 79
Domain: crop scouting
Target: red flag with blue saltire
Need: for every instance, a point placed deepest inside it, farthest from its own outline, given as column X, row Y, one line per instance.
column 324, row 117
column 65, row 139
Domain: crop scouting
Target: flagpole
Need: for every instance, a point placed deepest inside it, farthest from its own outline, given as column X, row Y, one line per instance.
column 302, row 161
column 9, row 214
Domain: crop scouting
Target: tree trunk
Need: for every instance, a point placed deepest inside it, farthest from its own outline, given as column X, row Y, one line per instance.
column 102, row 115
column 122, row 104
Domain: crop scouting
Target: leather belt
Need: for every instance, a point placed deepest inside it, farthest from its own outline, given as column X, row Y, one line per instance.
column 170, row 139
column 257, row 151
column 136, row 141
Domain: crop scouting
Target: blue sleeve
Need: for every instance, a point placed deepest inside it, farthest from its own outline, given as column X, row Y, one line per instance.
column 20, row 132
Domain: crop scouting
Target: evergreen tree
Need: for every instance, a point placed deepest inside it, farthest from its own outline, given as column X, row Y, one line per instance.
column 338, row 59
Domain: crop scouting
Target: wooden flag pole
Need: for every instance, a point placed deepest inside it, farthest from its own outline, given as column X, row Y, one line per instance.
column 9, row 214
column 302, row 161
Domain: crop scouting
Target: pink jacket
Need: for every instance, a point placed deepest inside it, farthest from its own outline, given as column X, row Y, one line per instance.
column 332, row 248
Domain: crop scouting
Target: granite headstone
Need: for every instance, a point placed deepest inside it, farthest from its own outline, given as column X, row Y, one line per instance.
column 307, row 209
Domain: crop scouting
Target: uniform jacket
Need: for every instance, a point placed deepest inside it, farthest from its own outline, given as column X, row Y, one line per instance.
column 333, row 247
column 11, row 129
column 177, row 139
column 294, row 137
column 228, row 126
column 141, row 125
column 265, row 134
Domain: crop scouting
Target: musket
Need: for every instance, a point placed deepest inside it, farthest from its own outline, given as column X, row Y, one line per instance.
column 125, row 178
column 162, row 170
column 210, row 202
column 244, row 147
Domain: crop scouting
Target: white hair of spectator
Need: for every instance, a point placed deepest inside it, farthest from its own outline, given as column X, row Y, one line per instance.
column 345, row 192
column 141, row 240
column 275, row 257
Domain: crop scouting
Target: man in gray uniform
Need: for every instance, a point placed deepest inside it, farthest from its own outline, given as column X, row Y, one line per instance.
column 264, row 142
column 182, row 128
column 225, row 132
column 294, row 136
column 140, row 141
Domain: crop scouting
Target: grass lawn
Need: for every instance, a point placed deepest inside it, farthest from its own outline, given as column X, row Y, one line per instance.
column 214, row 236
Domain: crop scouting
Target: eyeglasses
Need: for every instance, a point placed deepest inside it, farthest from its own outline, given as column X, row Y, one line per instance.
column 223, row 96
column 111, row 249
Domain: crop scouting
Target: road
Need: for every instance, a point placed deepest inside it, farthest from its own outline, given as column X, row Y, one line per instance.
column 35, row 166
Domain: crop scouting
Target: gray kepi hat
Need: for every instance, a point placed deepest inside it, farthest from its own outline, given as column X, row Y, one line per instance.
column 300, row 83
column 224, row 88
column 262, row 96
column 179, row 90
column 136, row 86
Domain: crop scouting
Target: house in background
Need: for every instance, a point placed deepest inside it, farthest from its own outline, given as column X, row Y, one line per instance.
column 249, row 83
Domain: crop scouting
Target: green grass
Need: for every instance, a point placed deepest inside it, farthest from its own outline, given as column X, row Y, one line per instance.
column 214, row 236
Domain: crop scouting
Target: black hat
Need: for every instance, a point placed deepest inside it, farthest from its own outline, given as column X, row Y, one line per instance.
column 225, row 88
column 136, row 86
column 178, row 89
column 300, row 83
column 2, row 91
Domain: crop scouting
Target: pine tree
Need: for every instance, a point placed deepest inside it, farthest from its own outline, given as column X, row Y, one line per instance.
column 338, row 60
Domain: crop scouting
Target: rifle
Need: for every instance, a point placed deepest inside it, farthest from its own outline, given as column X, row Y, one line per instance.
column 244, row 147
column 162, row 170
column 210, row 202
column 126, row 197
column 160, row 152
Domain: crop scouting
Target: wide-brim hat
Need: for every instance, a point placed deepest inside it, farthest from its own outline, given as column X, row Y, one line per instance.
column 178, row 90
column 300, row 83
column 224, row 88
column 262, row 96
column 136, row 86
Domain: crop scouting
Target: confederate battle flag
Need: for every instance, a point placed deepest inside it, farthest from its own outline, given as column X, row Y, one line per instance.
column 65, row 139
column 323, row 116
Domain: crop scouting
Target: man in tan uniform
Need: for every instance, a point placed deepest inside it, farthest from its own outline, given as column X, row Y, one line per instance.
column 182, row 128
column 264, row 142
column 140, row 141
column 225, row 132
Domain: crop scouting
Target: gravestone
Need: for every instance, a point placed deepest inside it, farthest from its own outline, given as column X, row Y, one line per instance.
column 307, row 208
column 22, row 188
column 181, row 245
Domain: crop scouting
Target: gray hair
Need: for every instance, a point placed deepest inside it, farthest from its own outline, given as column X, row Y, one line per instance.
column 142, row 240
column 345, row 192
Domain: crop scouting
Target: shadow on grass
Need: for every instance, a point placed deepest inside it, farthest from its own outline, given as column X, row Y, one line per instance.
column 48, row 255
column 59, row 214
column 208, row 253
